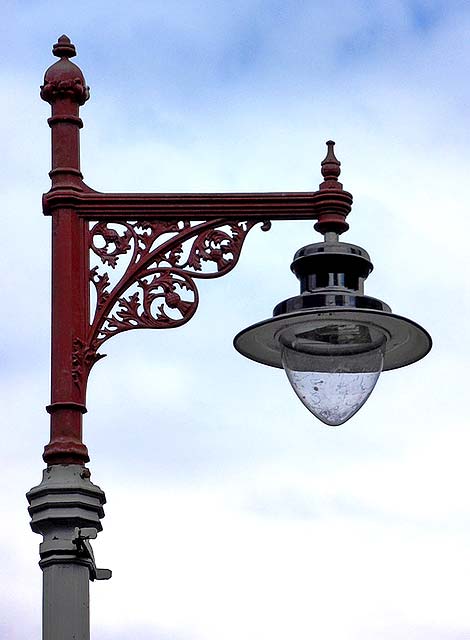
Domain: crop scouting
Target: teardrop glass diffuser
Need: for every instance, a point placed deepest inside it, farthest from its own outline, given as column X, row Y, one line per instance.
column 334, row 368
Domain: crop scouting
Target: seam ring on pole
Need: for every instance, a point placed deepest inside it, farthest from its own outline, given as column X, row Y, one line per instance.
column 57, row 406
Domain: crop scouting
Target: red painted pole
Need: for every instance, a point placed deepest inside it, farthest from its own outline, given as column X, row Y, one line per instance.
column 65, row 89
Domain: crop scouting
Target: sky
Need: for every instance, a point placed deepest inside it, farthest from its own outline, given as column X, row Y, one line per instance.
column 231, row 511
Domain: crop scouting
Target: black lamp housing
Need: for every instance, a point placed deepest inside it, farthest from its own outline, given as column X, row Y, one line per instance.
column 332, row 275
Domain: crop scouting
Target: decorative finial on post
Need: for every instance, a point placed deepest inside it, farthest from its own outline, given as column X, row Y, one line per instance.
column 332, row 202
column 64, row 48
column 66, row 91
column 64, row 79
column 330, row 167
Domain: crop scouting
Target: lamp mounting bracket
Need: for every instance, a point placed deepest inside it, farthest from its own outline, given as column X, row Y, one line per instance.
column 156, row 288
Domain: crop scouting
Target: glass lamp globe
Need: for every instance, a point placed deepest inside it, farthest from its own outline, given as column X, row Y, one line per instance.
column 334, row 368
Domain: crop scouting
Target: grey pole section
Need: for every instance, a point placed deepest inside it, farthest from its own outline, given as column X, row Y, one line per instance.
column 66, row 509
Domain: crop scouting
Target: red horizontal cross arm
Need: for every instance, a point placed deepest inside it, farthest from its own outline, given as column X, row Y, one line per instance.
column 166, row 240
column 192, row 206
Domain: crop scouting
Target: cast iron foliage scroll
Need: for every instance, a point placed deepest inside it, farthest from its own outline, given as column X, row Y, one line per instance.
column 157, row 289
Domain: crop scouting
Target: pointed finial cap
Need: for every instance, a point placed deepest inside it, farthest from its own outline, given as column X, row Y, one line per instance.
column 64, row 48
column 330, row 166
column 332, row 203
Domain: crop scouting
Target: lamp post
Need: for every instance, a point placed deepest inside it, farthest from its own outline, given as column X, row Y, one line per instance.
column 332, row 339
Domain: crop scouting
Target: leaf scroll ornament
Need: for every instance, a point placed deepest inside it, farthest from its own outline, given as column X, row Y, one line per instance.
column 159, row 262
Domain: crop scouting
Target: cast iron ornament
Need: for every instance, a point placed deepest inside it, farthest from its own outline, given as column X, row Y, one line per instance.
column 157, row 289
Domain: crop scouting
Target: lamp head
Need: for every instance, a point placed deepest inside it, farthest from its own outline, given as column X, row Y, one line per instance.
column 332, row 340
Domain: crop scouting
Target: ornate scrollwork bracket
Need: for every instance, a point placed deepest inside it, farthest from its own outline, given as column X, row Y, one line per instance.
column 144, row 275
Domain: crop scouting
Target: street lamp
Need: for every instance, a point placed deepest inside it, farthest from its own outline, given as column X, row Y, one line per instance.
column 332, row 340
